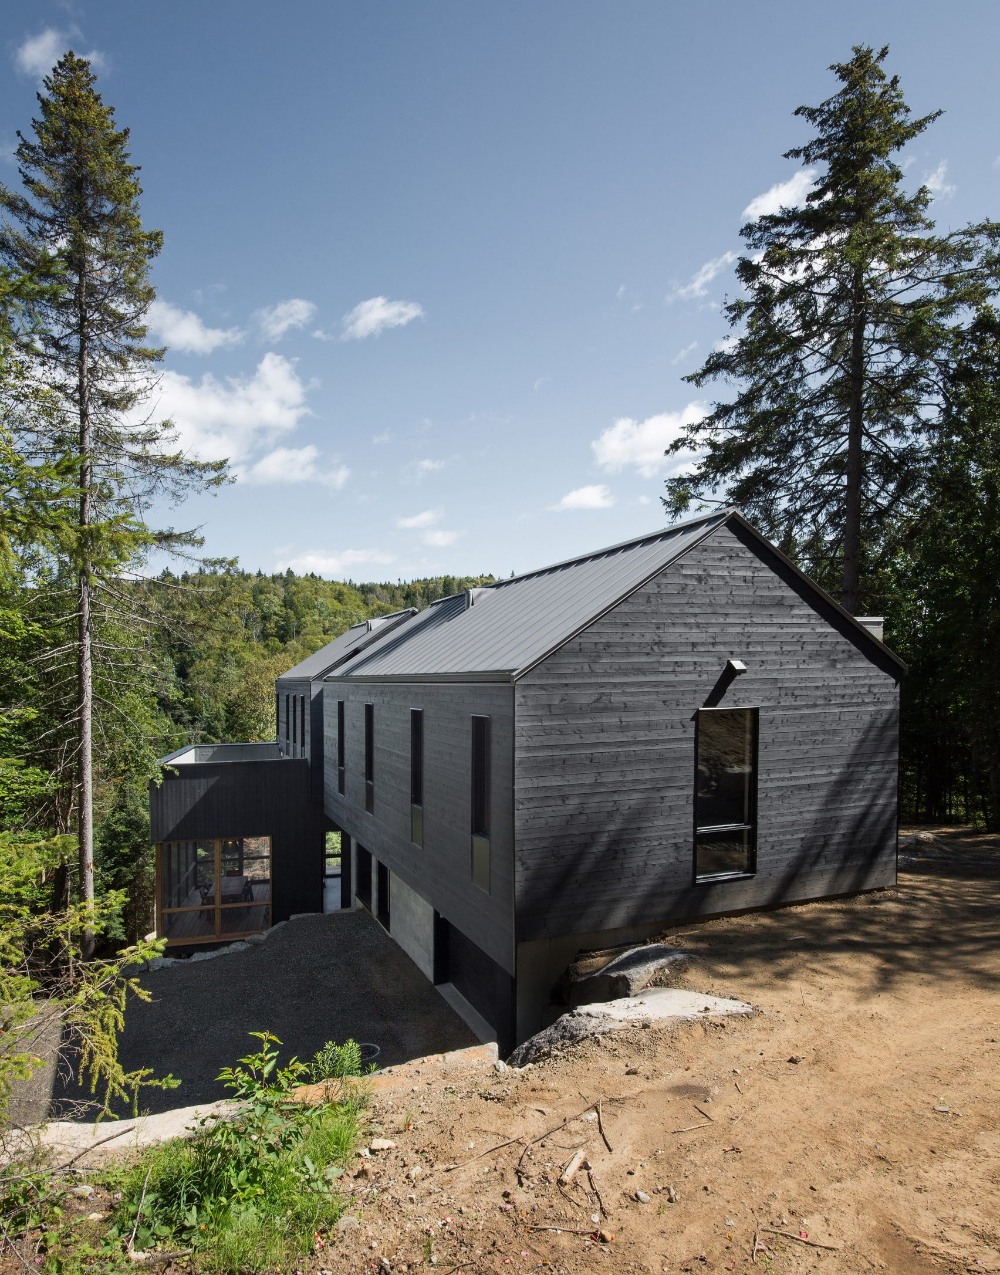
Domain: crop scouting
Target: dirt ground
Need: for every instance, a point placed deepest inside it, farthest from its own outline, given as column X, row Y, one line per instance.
column 858, row 1110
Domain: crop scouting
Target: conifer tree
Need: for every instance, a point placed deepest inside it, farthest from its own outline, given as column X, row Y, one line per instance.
column 78, row 222
column 841, row 341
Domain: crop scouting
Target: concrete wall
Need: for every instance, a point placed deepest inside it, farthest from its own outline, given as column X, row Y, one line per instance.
column 412, row 924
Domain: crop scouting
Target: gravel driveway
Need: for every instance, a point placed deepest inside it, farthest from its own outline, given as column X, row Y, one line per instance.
column 316, row 979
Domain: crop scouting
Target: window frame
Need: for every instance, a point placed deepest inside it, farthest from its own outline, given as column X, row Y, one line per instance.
column 341, row 768
column 417, row 776
column 370, row 758
column 480, row 811
column 751, row 826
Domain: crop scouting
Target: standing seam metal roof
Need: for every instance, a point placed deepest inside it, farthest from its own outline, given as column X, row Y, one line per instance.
column 516, row 622
column 355, row 639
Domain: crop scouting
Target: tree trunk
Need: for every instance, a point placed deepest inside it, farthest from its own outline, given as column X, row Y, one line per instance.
column 855, row 459
column 85, row 671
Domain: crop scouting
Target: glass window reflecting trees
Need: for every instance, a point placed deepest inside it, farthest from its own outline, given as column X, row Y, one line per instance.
column 725, row 839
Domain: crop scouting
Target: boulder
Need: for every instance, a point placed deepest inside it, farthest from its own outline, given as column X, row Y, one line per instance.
column 612, row 974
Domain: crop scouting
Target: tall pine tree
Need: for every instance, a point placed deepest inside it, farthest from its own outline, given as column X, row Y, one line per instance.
column 78, row 221
column 841, row 343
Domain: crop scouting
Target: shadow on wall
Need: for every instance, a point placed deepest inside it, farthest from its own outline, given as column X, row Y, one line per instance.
column 846, row 844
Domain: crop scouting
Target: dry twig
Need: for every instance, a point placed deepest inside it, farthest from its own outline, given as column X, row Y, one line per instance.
column 600, row 1125
column 138, row 1212
column 687, row 1129
column 790, row 1235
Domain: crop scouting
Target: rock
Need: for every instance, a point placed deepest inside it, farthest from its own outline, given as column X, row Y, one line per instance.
column 203, row 956
column 301, row 916
column 672, row 1196
column 795, row 1058
column 381, row 1144
column 162, row 962
column 500, row 1066
column 642, row 1197
column 613, row 974
column 348, row 1222
column 256, row 938
column 82, row 1192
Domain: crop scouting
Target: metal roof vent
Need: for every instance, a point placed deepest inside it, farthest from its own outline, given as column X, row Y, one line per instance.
column 875, row 624
column 473, row 595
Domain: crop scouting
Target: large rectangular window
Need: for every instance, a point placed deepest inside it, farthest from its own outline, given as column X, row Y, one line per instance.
column 725, row 792
column 417, row 776
column 213, row 890
column 370, row 758
column 481, row 802
column 340, row 746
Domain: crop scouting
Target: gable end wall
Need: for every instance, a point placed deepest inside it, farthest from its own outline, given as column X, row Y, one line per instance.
column 604, row 749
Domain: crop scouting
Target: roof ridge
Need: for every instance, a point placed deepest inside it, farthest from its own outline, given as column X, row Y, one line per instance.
column 622, row 544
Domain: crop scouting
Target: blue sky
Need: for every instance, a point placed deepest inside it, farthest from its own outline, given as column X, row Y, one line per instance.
column 433, row 271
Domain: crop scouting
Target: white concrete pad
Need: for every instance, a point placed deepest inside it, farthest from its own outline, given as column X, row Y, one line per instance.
column 93, row 1142
column 665, row 1002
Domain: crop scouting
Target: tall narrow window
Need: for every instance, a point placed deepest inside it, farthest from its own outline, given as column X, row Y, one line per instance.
column 725, row 842
column 417, row 776
column 481, row 802
column 302, row 722
column 288, row 719
column 340, row 746
column 277, row 716
column 370, row 758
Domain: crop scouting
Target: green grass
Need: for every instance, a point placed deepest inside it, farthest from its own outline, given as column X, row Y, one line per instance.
column 247, row 1194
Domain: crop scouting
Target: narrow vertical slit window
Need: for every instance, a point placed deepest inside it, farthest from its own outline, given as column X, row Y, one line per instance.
column 340, row 746
column 302, row 723
column 725, row 839
column 288, row 720
column 277, row 716
column 481, row 781
column 417, row 776
column 370, row 758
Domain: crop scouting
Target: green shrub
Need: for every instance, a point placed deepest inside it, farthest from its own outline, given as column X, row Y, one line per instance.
column 334, row 1062
column 251, row 1192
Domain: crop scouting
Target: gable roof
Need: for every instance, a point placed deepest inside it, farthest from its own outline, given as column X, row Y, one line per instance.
column 355, row 639
column 515, row 623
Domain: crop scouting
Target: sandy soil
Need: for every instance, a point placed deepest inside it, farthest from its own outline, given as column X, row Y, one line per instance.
column 858, row 1109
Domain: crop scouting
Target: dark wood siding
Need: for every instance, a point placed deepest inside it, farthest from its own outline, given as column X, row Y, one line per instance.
column 440, row 870
column 249, row 799
column 604, row 782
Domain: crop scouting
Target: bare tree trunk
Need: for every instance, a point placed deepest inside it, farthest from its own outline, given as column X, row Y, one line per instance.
column 85, row 705
column 855, row 460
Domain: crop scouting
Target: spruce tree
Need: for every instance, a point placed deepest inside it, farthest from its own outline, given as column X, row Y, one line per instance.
column 841, row 342
column 78, row 224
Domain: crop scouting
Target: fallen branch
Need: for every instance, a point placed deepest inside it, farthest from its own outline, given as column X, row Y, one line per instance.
column 119, row 1133
column 571, row 1170
column 790, row 1235
column 593, row 1187
column 600, row 1125
column 541, row 1138
column 565, row 1230
column 703, row 1113
column 687, row 1128
column 138, row 1212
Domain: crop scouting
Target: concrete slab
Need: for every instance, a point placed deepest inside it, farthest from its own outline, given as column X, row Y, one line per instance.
column 89, row 1144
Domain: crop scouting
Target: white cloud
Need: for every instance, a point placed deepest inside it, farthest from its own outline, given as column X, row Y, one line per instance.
column 681, row 355
column 426, row 519
column 937, row 182
column 324, row 563
column 641, row 500
column 789, row 194
column 183, row 330
column 439, row 539
column 379, row 440
column 727, row 343
column 417, row 470
column 698, row 287
column 39, row 53
column 376, row 315
column 542, row 380
column 641, row 444
column 294, row 465
column 234, row 416
column 278, row 319
column 597, row 496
